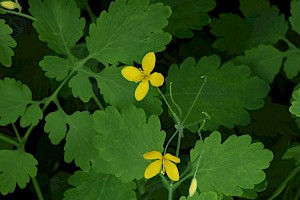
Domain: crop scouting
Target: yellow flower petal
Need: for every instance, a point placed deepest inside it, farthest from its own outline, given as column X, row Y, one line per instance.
column 193, row 187
column 172, row 158
column 8, row 5
column 171, row 170
column 141, row 90
column 131, row 73
column 153, row 169
column 156, row 79
column 148, row 63
column 153, row 155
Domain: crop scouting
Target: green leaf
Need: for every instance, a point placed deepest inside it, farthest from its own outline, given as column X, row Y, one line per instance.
column 16, row 167
column 96, row 186
column 14, row 99
column 291, row 65
column 78, row 140
column 293, row 153
column 295, row 15
column 57, row 23
column 81, row 85
column 123, row 139
column 32, row 115
column 113, row 86
column 232, row 166
column 264, row 60
column 55, row 67
column 229, row 91
column 188, row 15
column 121, row 36
column 115, row 89
column 295, row 107
column 271, row 120
column 227, row 40
column 6, row 43
column 262, row 25
column 56, row 126
column 210, row 195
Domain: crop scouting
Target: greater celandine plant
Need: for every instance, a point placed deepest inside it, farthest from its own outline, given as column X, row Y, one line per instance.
column 120, row 148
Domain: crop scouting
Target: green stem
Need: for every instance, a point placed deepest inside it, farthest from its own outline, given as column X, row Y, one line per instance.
column 37, row 188
column 291, row 45
column 179, row 141
column 283, row 184
column 16, row 132
column 195, row 100
column 20, row 14
column 93, row 17
column 173, row 113
column 170, row 193
column 171, row 138
column 98, row 102
column 47, row 102
column 8, row 140
column 178, row 183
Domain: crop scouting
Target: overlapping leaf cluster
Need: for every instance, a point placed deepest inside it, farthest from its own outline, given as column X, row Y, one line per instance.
column 108, row 145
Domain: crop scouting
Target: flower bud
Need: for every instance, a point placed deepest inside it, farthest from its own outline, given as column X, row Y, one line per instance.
column 193, row 187
column 8, row 5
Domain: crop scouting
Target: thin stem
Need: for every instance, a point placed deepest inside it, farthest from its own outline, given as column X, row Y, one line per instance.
column 47, row 102
column 178, row 183
column 171, row 138
column 8, row 140
column 283, row 184
column 98, row 102
column 37, row 188
column 173, row 113
column 195, row 100
column 175, row 104
column 170, row 192
column 179, row 141
column 92, row 15
column 289, row 43
column 20, row 14
column 16, row 132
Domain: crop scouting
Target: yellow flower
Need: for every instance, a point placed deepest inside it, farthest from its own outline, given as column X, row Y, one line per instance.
column 143, row 76
column 162, row 164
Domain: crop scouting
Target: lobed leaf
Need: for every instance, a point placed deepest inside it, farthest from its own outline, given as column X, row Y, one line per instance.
column 115, row 89
column 32, row 115
column 123, row 137
column 230, row 166
column 56, row 126
column 14, row 99
column 291, row 65
column 264, row 60
column 78, row 138
column 56, row 67
column 16, row 167
column 120, row 36
column 96, row 186
column 228, row 92
column 210, row 195
column 293, row 153
column 6, row 44
column 262, row 25
column 295, row 15
column 58, row 23
column 188, row 15
column 295, row 107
